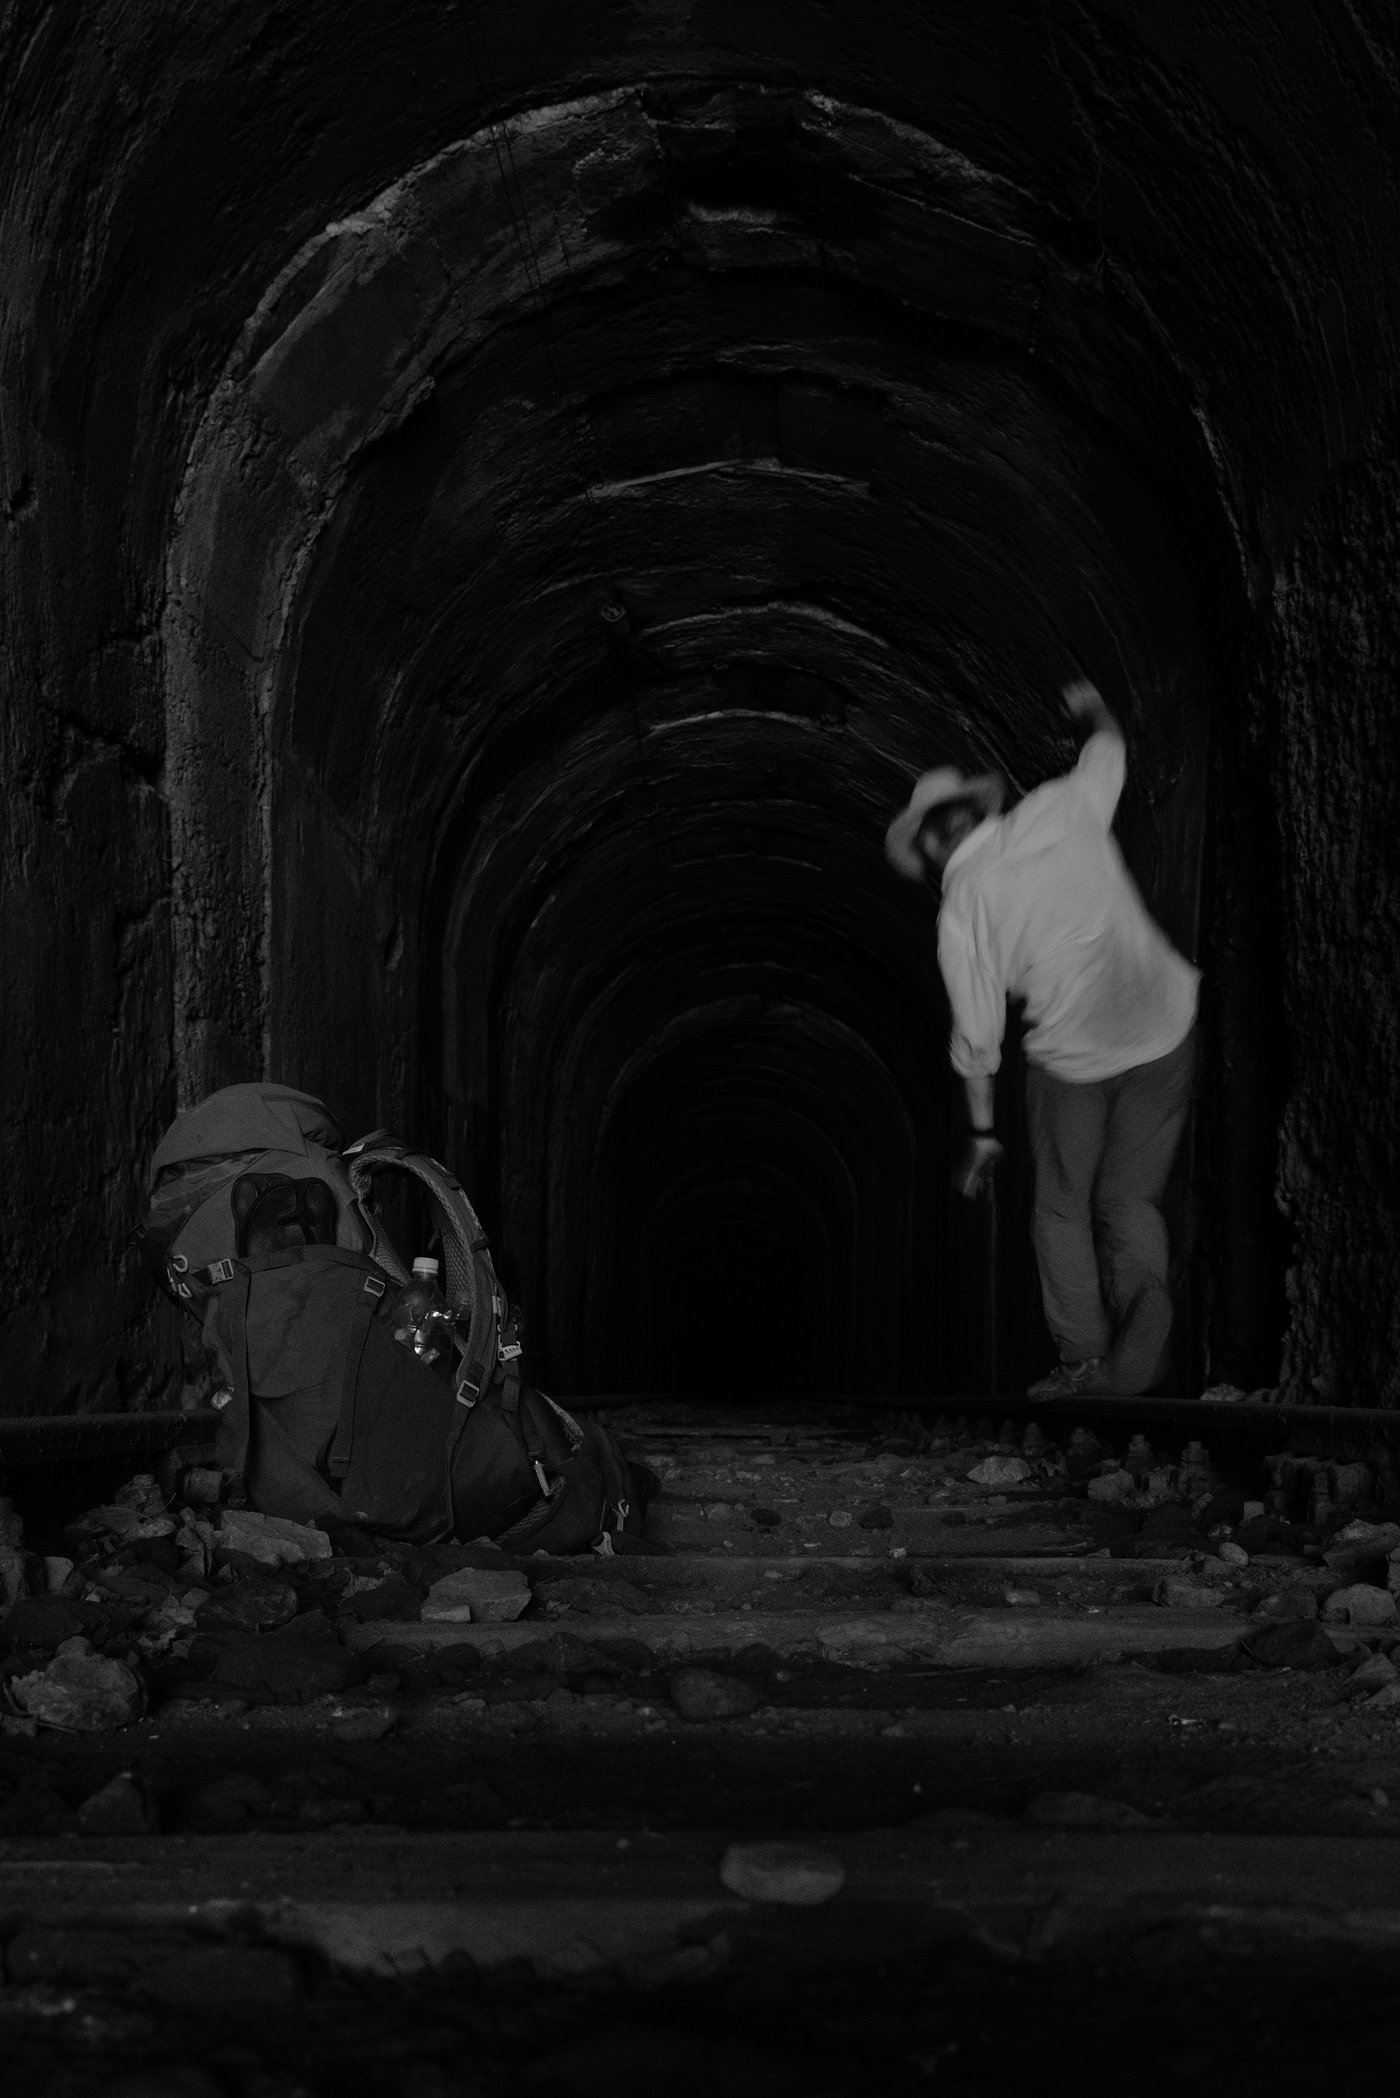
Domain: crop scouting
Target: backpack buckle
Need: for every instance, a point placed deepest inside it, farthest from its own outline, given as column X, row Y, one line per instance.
column 220, row 1271
column 374, row 1286
column 510, row 1350
column 548, row 1487
column 468, row 1391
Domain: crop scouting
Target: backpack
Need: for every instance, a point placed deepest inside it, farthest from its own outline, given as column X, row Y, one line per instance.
column 266, row 1231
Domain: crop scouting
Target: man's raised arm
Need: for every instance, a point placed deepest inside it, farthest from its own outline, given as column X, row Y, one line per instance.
column 1103, row 759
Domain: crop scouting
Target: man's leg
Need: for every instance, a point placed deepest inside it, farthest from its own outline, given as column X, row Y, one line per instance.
column 1147, row 1113
column 1067, row 1125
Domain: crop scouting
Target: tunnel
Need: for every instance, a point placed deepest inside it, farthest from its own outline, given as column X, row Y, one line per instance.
column 501, row 503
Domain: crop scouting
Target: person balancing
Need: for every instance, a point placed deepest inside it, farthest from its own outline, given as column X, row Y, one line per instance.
column 1037, row 904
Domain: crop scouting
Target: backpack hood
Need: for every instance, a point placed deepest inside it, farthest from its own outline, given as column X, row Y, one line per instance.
column 243, row 1118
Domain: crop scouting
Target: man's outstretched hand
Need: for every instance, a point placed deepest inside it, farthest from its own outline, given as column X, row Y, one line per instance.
column 1085, row 705
column 1083, row 700
column 976, row 1166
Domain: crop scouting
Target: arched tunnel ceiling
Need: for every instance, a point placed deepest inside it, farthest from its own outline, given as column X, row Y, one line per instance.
column 617, row 448
column 574, row 362
column 1226, row 166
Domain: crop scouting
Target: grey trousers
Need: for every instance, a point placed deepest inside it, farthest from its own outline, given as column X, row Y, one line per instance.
column 1102, row 1155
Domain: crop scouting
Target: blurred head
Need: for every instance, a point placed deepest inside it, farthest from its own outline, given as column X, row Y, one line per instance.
column 943, row 829
column 944, row 808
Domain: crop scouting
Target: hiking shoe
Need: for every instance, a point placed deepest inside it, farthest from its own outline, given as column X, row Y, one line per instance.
column 1068, row 1379
column 1136, row 1354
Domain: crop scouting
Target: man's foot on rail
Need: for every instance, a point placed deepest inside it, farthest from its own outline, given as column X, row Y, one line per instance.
column 1068, row 1379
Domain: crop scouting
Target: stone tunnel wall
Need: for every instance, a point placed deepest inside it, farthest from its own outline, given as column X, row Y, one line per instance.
column 1329, row 692
column 86, row 1055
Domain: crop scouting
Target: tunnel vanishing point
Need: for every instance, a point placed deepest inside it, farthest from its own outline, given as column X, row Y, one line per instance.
column 499, row 500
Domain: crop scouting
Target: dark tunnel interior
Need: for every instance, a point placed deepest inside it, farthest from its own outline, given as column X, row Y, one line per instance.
column 650, row 606
column 571, row 492
column 619, row 651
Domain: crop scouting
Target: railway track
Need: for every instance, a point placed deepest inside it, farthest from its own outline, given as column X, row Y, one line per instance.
column 1016, row 1725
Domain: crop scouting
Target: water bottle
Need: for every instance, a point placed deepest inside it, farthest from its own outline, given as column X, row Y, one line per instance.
column 422, row 1320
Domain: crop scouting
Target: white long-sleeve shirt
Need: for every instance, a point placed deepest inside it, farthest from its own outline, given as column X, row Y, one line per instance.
column 1038, row 904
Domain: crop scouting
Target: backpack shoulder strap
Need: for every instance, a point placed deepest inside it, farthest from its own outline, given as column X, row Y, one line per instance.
column 226, row 1334
column 470, row 1281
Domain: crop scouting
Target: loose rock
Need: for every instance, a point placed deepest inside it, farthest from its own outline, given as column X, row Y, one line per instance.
column 141, row 1492
column 195, row 1543
column 1380, row 1538
column 1291, row 1645
column 1359, row 1551
column 119, row 1525
column 1174, row 1593
column 1114, row 1486
column 1000, row 1471
column 365, row 1723
column 1232, row 1554
column 476, row 1596
column 122, row 1807
column 273, row 1539
column 1020, row 1597
column 1289, row 1603
column 202, row 1487
column 1373, row 1674
column 80, row 1691
column 789, row 1873
column 1361, row 1605
column 705, row 1693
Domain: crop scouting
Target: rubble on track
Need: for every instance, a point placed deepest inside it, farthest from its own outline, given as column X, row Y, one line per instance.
column 231, row 1627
